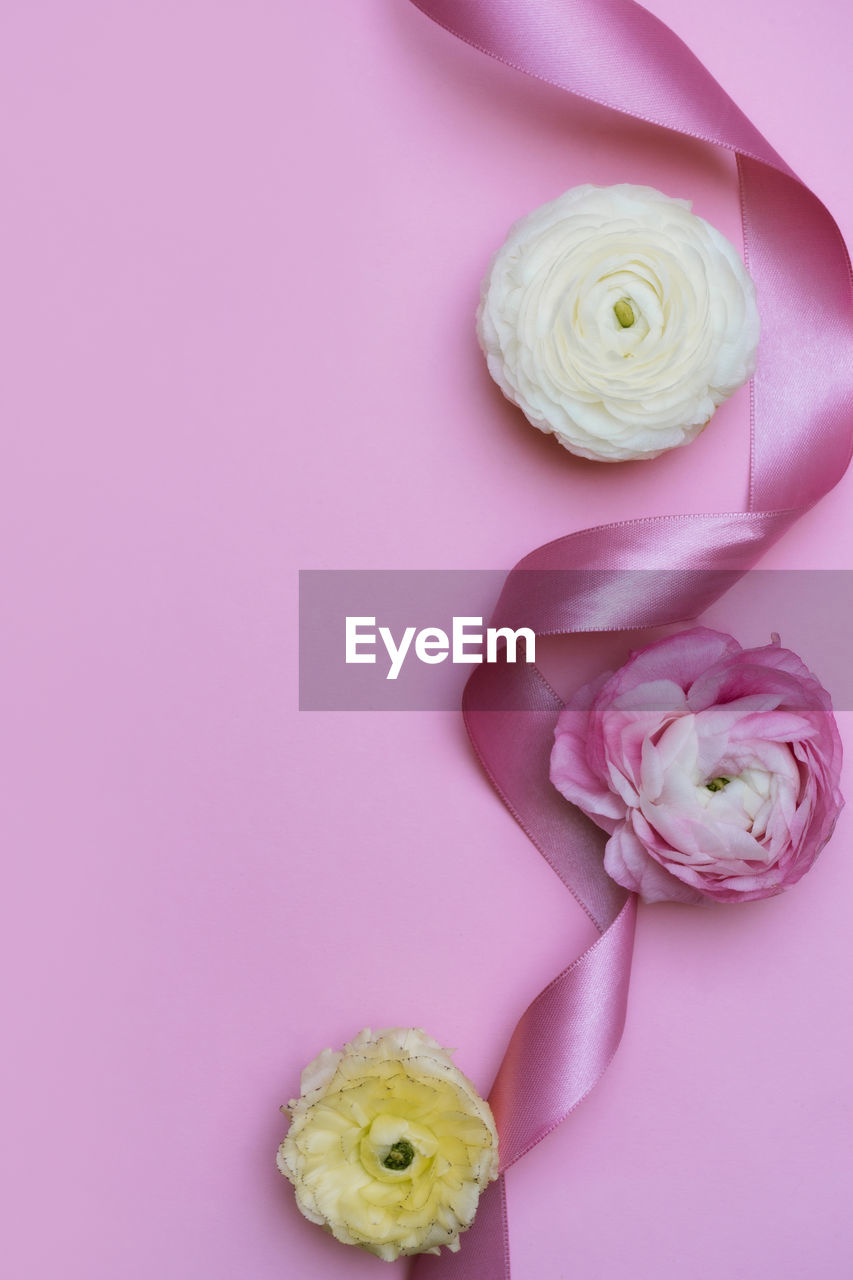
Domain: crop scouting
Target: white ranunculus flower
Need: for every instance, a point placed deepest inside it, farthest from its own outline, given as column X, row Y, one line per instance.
column 389, row 1144
column 618, row 320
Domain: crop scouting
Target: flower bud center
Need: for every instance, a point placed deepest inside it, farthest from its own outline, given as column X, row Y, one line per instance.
column 717, row 784
column 400, row 1155
column 624, row 313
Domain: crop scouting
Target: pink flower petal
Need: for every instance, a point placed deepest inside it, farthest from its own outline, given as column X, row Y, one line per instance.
column 715, row 769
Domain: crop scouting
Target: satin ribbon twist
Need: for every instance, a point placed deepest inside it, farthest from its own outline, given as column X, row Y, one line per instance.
column 615, row 53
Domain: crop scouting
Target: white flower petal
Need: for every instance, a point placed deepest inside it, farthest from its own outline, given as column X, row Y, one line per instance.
column 556, row 347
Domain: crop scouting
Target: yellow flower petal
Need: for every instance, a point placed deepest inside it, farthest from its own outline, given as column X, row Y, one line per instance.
column 389, row 1145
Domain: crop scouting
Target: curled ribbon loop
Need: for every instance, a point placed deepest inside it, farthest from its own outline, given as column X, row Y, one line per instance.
column 615, row 53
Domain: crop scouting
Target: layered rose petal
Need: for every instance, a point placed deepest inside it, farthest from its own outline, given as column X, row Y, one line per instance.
column 389, row 1144
column 713, row 769
column 616, row 319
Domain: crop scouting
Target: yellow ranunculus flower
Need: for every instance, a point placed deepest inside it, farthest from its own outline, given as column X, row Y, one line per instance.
column 389, row 1144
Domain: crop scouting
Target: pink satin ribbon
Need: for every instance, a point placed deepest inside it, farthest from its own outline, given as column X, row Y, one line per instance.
column 617, row 54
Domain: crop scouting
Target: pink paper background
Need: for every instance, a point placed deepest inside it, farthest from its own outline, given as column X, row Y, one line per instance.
column 241, row 249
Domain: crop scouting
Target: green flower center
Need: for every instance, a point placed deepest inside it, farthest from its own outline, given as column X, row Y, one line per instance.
column 717, row 784
column 624, row 313
column 400, row 1156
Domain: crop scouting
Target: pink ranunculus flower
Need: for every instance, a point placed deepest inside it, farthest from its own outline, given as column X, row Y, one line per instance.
column 713, row 768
